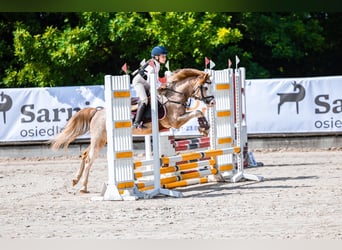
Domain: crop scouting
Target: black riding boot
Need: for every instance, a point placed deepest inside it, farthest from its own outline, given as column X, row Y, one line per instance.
column 139, row 116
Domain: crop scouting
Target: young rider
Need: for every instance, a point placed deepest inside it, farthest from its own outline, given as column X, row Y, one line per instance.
column 141, row 82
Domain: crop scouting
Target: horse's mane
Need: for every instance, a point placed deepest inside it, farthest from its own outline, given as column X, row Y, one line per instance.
column 181, row 74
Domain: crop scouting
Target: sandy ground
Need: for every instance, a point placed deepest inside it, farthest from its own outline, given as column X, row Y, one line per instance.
column 301, row 198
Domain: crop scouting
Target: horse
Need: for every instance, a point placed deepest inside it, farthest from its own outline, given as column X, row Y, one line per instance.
column 173, row 99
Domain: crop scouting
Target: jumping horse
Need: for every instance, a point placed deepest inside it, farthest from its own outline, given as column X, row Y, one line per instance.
column 173, row 100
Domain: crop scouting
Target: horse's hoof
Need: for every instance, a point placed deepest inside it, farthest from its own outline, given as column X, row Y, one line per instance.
column 203, row 131
column 74, row 182
column 84, row 191
column 203, row 123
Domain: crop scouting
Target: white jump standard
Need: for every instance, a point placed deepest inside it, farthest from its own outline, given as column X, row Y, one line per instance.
column 121, row 178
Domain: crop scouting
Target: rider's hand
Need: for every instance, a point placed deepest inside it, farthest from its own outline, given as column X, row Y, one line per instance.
column 162, row 86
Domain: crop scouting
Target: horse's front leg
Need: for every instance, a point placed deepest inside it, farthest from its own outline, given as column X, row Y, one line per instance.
column 203, row 125
column 202, row 121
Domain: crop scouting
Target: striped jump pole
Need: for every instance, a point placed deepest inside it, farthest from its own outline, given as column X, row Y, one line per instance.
column 191, row 146
column 191, row 141
column 165, row 181
column 140, row 172
column 169, row 160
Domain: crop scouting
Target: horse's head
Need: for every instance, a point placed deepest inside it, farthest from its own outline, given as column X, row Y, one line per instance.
column 202, row 88
column 192, row 83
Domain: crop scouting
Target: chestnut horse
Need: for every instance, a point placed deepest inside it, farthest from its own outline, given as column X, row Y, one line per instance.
column 184, row 83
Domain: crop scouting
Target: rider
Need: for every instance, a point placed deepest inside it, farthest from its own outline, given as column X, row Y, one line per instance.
column 141, row 84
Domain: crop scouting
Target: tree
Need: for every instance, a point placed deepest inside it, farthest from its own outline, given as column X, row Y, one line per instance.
column 81, row 49
column 63, row 54
column 189, row 36
column 8, row 22
column 55, row 49
column 280, row 42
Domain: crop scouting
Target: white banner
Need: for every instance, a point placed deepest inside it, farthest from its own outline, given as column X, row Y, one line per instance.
column 32, row 114
column 294, row 105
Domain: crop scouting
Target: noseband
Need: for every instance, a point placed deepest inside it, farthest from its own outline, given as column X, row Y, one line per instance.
column 205, row 99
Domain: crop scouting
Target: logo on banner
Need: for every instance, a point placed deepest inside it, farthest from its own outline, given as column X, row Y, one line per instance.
column 296, row 97
column 5, row 104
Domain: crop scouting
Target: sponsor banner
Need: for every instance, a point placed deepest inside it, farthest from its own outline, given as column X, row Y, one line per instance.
column 294, row 105
column 32, row 114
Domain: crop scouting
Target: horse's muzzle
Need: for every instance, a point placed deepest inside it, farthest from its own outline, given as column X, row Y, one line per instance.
column 209, row 100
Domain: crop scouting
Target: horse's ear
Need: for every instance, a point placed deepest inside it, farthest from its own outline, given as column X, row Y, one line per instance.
column 207, row 76
column 204, row 77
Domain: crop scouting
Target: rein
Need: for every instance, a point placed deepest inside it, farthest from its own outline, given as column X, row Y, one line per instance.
column 177, row 92
column 200, row 88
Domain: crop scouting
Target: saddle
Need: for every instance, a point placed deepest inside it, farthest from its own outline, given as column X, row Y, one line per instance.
column 147, row 115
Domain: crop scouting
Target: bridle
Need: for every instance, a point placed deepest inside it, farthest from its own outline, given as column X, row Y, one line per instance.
column 205, row 99
column 199, row 89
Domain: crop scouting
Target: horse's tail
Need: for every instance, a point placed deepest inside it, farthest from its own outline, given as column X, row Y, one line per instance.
column 78, row 125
